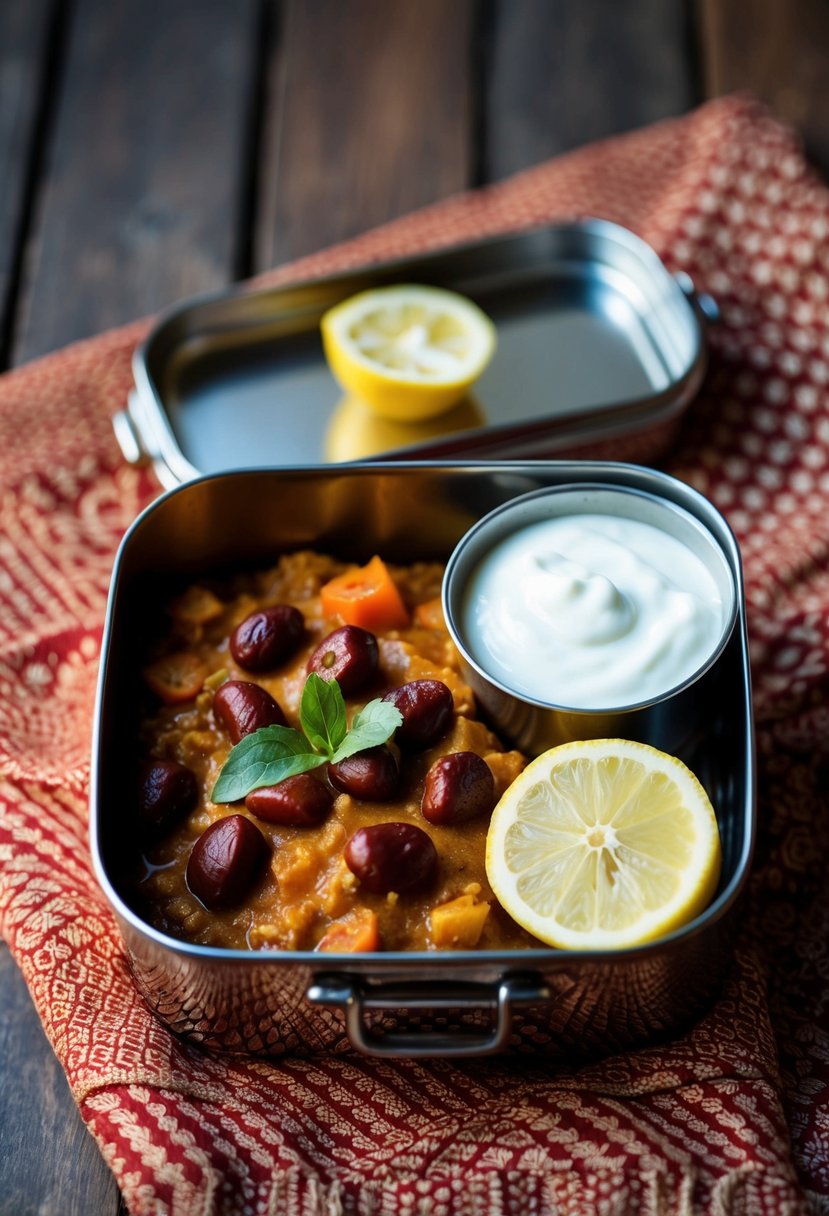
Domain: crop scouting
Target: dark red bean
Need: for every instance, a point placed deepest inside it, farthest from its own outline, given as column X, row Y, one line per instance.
column 350, row 656
column 392, row 857
column 427, row 708
column 300, row 801
column 458, row 787
column 244, row 707
column 226, row 862
column 267, row 637
column 372, row 774
column 167, row 793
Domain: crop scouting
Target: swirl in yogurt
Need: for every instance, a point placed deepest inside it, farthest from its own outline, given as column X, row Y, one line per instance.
column 592, row 612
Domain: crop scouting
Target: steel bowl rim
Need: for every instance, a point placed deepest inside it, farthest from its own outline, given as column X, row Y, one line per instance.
column 449, row 592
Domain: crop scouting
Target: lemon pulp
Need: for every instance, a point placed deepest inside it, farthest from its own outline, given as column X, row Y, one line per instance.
column 409, row 352
column 603, row 844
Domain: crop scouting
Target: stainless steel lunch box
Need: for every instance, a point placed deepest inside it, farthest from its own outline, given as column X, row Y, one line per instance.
column 600, row 351
column 453, row 1003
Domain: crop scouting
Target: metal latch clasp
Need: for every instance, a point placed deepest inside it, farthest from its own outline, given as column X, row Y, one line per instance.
column 128, row 434
column 700, row 300
column 357, row 999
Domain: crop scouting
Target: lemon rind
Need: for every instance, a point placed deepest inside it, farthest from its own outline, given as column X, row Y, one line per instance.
column 700, row 880
column 396, row 394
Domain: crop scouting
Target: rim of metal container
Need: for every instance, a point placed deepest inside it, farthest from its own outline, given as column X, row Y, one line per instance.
column 458, row 565
column 387, row 960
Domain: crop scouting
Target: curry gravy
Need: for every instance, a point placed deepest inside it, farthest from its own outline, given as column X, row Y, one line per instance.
column 307, row 886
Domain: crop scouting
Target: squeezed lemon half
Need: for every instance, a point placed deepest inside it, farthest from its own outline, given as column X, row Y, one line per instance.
column 408, row 352
column 603, row 844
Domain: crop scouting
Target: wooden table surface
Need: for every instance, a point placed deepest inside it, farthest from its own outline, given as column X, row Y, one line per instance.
column 151, row 149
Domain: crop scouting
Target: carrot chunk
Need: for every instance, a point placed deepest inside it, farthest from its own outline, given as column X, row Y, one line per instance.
column 459, row 923
column 177, row 677
column 429, row 615
column 366, row 596
column 356, row 933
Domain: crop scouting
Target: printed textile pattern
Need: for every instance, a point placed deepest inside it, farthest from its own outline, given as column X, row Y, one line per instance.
column 732, row 1116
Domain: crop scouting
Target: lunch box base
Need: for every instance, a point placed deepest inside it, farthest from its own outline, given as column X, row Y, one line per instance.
column 463, row 1003
column 570, row 1012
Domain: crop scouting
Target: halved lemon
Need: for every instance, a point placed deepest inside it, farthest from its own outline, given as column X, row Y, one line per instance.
column 408, row 352
column 603, row 844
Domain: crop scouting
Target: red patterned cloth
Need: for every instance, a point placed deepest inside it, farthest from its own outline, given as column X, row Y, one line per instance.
column 733, row 1117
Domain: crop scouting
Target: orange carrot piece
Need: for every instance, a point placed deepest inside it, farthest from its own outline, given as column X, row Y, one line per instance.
column 177, row 677
column 365, row 596
column 429, row 615
column 458, row 923
column 356, row 933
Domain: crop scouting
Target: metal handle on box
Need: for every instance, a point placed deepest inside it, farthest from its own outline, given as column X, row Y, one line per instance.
column 356, row 999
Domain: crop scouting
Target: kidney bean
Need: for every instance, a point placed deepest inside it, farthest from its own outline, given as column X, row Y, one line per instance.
column 167, row 792
column 226, row 862
column 371, row 774
column 427, row 707
column 350, row 656
column 244, row 707
column 392, row 857
column 267, row 637
column 458, row 787
column 300, row 801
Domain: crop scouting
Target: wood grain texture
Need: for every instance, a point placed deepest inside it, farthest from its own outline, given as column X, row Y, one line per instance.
column 778, row 49
column 24, row 39
column 369, row 115
column 143, row 180
column 48, row 1160
column 560, row 73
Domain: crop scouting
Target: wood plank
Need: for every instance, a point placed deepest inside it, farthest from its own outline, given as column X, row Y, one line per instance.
column 561, row 73
column 145, row 173
column 778, row 51
column 369, row 115
column 140, row 203
column 48, row 1160
column 24, row 46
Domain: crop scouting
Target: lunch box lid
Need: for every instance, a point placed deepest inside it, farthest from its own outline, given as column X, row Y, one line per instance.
column 596, row 341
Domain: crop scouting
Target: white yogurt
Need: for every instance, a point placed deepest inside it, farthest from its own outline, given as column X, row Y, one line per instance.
column 592, row 612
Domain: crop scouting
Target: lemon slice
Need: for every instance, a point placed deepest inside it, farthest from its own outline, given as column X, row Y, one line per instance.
column 408, row 352
column 603, row 844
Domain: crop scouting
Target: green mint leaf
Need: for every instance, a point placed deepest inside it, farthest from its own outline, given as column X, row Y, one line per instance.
column 269, row 755
column 264, row 757
column 374, row 724
column 322, row 714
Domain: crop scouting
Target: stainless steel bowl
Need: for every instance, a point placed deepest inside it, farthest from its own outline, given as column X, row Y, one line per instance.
column 532, row 723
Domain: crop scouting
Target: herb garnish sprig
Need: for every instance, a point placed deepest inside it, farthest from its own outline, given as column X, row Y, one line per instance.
column 271, row 754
